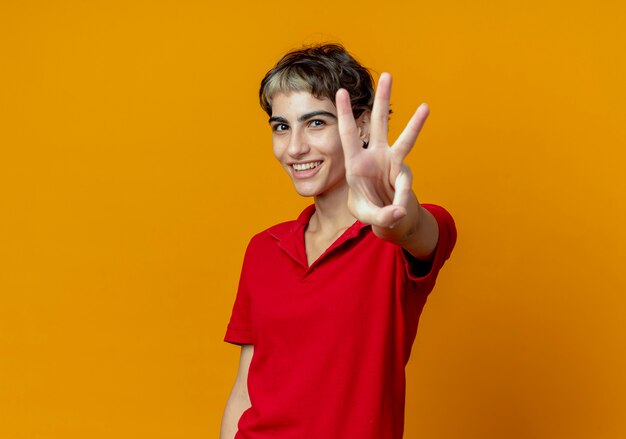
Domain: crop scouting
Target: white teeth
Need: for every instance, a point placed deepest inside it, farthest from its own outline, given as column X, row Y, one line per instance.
column 305, row 166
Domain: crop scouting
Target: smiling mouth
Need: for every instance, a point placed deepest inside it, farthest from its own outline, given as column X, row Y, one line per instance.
column 305, row 166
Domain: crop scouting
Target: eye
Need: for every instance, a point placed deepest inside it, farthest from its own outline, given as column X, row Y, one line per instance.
column 280, row 127
column 317, row 123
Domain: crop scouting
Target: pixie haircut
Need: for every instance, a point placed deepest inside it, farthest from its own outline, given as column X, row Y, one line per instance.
column 320, row 70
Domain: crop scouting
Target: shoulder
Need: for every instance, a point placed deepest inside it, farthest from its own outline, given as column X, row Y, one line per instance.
column 265, row 247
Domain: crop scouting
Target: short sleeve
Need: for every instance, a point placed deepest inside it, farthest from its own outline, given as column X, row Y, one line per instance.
column 425, row 274
column 240, row 330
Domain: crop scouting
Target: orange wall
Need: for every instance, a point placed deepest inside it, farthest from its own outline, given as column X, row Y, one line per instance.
column 135, row 164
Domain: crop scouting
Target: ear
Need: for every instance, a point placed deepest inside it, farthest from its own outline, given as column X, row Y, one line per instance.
column 363, row 124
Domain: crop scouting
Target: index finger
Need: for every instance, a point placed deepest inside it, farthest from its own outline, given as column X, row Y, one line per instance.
column 407, row 139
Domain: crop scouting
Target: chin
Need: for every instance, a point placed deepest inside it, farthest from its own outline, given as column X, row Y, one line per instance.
column 306, row 192
column 315, row 189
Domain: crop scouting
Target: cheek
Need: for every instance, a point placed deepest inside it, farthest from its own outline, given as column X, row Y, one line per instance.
column 333, row 147
column 277, row 148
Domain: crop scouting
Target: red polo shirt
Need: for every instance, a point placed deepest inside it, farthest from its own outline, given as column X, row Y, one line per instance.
column 331, row 341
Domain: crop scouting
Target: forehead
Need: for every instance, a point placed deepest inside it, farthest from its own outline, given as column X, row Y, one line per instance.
column 298, row 102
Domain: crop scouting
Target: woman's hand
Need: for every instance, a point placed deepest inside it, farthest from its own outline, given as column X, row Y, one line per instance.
column 380, row 191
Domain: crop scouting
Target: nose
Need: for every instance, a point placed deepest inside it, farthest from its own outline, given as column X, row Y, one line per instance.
column 298, row 144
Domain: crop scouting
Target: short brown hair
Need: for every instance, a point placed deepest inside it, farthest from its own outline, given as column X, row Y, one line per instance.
column 320, row 70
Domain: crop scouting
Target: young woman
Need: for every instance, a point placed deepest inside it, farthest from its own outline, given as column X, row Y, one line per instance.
column 328, row 305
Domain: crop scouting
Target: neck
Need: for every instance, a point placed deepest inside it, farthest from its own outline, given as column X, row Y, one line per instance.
column 331, row 212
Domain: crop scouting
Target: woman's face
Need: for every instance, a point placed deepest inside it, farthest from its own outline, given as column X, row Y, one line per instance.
column 306, row 142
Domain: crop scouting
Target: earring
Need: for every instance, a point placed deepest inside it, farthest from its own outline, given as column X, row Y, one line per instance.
column 365, row 145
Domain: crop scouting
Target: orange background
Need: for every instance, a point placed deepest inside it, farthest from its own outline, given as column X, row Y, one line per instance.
column 135, row 164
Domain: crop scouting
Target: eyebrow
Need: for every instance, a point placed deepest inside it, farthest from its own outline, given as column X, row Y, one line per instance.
column 304, row 117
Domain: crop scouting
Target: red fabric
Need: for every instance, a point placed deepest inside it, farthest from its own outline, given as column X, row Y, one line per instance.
column 331, row 341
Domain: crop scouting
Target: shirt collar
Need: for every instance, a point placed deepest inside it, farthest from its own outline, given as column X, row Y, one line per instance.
column 291, row 239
